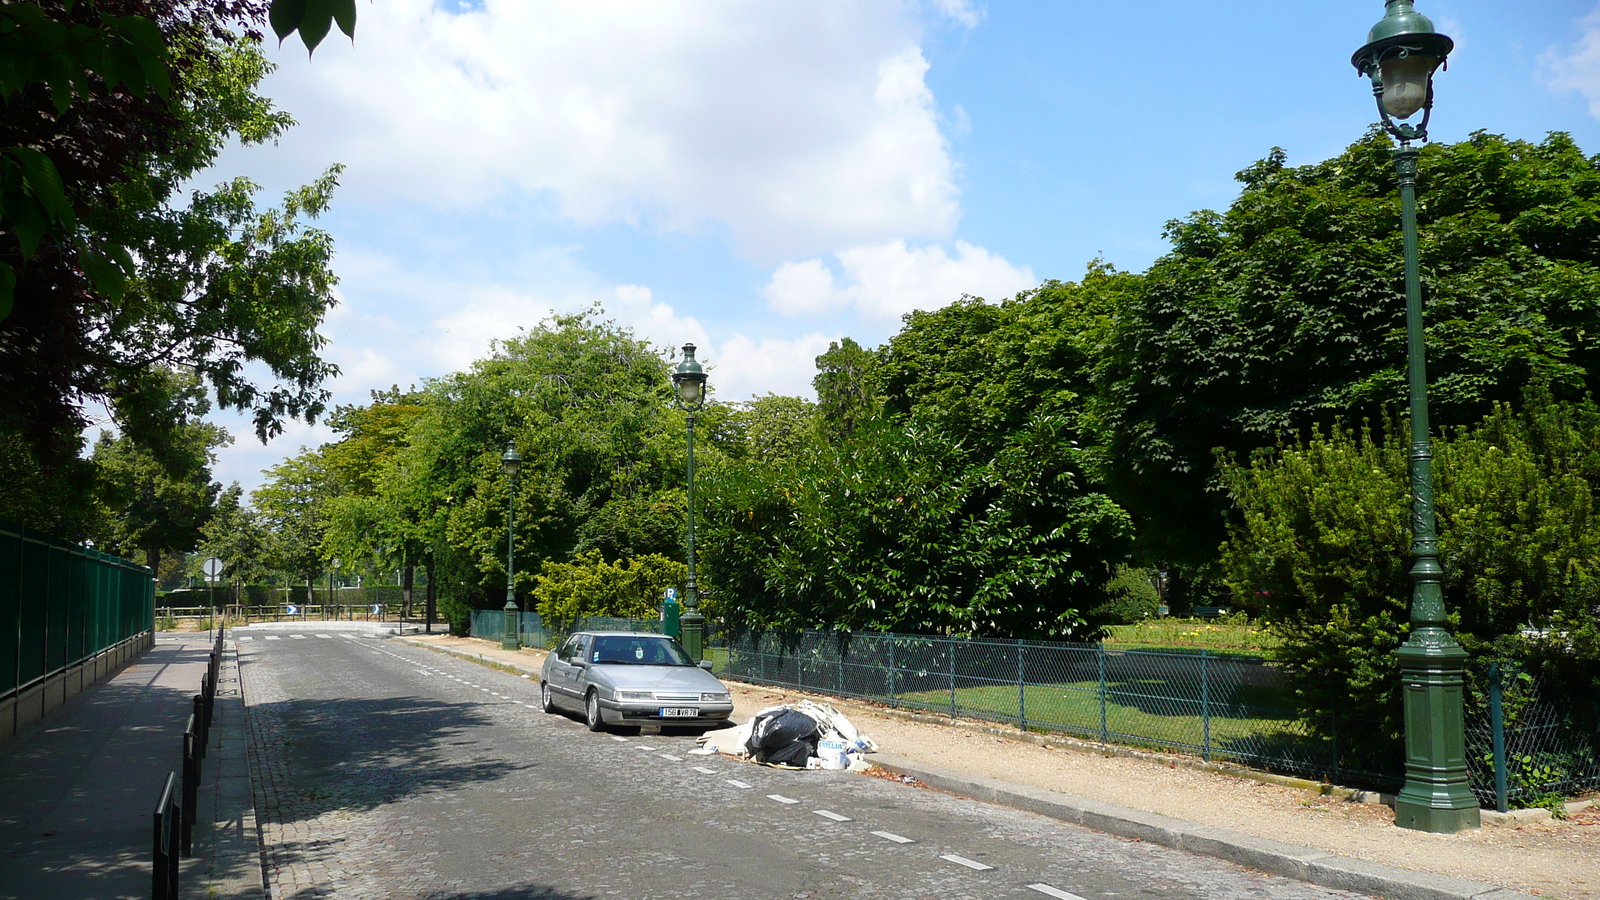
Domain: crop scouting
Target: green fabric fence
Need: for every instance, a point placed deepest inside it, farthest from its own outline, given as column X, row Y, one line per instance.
column 61, row 604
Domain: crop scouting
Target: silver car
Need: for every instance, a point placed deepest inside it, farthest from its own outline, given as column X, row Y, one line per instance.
column 632, row 678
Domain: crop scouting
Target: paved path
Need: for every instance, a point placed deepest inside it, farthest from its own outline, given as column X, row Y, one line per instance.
column 77, row 789
column 386, row 770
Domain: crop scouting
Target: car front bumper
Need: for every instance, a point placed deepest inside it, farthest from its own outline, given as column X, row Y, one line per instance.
column 637, row 713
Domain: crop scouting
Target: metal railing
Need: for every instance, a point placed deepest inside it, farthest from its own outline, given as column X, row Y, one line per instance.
column 175, row 827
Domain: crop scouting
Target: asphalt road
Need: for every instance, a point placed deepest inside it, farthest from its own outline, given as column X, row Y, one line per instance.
column 386, row 770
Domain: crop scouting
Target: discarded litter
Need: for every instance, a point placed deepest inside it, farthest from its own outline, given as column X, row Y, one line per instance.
column 805, row 735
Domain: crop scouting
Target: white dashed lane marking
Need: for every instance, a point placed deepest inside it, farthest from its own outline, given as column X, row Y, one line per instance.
column 830, row 814
column 622, row 739
column 326, row 637
column 273, row 637
column 705, row 771
column 781, row 798
column 891, row 836
column 670, row 756
column 298, row 637
column 969, row 863
column 1056, row 892
column 739, row 784
column 244, row 639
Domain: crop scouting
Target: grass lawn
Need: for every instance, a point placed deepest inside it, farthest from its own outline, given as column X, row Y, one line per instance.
column 1221, row 637
column 1141, row 711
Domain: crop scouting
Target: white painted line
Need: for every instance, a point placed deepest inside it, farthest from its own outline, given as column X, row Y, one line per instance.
column 1049, row 891
column 326, row 637
column 670, row 756
column 963, row 861
column 739, row 784
column 642, row 747
column 298, row 637
column 781, row 798
column 705, row 771
column 273, row 637
column 891, row 836
column 830, row 814
column 244, row 639
column 622, row 739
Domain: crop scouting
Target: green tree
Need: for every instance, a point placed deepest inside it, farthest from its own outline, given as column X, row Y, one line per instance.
column 155, row 500
column 291, row 506
column 128, row 277
column 1286, row 313
column 235, row 535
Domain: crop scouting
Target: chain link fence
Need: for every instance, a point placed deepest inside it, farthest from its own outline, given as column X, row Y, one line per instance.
column 1222, row 708
column 1529, row 743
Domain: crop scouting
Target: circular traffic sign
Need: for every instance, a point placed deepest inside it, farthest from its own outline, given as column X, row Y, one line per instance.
column 212, row 567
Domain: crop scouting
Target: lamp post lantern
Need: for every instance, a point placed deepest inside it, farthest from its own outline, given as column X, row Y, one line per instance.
column 689, row 395
column 510, row 463
column 1400, row 56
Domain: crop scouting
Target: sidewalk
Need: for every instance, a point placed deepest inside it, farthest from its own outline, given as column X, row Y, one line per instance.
column 1274, row 827
column 78, row 789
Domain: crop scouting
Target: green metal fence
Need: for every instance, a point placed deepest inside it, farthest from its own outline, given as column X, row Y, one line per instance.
column 61, row 604
column 491, row 624
column 1528, row 740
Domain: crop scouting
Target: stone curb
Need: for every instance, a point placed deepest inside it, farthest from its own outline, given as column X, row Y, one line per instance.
column 1263, row 854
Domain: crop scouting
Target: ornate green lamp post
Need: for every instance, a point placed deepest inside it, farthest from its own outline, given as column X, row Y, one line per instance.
column 1400, row 56
column 689, row 384
column 510, row 462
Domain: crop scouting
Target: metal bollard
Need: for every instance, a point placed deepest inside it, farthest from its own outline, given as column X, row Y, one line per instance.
column 164, row 853
column 200, row 726
column 191, row 788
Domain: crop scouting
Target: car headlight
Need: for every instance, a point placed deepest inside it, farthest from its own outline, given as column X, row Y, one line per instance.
column 714, row 697
column 636, row 695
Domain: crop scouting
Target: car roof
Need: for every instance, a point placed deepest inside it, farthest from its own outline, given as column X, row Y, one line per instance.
column 648, row 634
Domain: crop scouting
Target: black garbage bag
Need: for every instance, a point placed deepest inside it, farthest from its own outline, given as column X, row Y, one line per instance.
column 786, row 737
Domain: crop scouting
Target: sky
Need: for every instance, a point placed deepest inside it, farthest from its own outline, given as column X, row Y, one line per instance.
column 761, row 179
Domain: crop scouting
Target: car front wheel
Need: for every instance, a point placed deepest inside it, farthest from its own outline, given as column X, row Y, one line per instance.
column 546, row 702
column 592, row 713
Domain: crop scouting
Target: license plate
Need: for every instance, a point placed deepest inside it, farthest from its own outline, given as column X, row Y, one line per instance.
column 670, row 712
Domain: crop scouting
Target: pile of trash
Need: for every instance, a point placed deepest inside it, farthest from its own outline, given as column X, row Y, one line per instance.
column 805, row 735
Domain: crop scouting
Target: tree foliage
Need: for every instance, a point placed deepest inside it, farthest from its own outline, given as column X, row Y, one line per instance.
column 1286, row 312
column 124, row 276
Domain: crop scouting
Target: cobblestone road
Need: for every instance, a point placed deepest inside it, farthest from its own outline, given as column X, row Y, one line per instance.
column 387, row 771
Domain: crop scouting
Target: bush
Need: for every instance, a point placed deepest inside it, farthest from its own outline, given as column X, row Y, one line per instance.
column 590, row 586
column 1320, row 547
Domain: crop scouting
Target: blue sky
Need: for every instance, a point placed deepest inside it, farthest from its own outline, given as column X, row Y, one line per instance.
column 763, row 178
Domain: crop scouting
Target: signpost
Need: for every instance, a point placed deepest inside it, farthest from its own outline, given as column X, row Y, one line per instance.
column 213, row 569
column 670, row 615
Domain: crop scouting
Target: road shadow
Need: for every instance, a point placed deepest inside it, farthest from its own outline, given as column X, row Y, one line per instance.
column 315, row 756
column 527, row 891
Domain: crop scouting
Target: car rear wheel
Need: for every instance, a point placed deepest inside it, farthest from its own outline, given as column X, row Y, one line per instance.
column 592, row 715
column 546, row 702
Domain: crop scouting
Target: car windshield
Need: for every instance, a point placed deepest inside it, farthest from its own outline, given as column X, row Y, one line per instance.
column 638, row 651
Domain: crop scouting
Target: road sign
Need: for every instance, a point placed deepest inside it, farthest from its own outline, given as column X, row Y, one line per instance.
column 672, row 594
column 212, row 567
column 294, row 610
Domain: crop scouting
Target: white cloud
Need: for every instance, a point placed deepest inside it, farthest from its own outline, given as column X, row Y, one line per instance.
column 1578, row 68
column 797, row 126
column 885, row 281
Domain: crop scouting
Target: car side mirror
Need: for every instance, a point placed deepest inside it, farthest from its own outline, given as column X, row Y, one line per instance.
column 705, row 664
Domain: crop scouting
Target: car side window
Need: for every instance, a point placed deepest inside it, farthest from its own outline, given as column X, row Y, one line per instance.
column 581, row 652
column 568, row 647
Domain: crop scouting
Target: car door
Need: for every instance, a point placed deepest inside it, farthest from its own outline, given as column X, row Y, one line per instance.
column 563, row 672
column 579, row 666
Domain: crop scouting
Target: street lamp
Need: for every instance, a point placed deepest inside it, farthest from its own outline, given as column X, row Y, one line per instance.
column 689, row 395
column 510, row 462
column 330, row 593
column 1400, row 56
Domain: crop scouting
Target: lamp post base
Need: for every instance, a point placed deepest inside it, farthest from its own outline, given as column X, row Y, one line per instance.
column 511, row 639
column 693, row 625
column 1436, row 797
